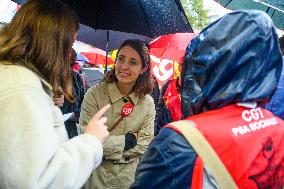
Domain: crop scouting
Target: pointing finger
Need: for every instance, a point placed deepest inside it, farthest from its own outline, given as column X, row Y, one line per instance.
column 101, row 112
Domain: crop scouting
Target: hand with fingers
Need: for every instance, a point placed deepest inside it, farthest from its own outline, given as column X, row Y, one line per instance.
column 58, row 97
column 96, row 125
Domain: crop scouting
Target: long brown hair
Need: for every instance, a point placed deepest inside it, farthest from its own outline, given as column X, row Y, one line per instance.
column 40, row 38
column 144, row 84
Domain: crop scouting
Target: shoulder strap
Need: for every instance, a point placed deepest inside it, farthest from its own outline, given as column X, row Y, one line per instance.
column 203, row 148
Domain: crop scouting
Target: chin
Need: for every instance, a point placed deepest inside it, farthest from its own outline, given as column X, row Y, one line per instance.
column 124, row 81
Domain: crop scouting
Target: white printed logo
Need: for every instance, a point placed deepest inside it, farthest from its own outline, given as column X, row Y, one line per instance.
column 255, row 121
column 127, row 110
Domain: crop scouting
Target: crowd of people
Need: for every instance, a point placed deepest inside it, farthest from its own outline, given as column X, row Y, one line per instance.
column 218, row 125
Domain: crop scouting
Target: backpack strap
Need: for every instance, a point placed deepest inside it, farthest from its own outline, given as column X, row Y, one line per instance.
column 203, row 148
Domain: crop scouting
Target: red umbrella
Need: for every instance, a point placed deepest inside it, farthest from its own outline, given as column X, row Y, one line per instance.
column 171, row 46
column 98, row 57
column 167, row 52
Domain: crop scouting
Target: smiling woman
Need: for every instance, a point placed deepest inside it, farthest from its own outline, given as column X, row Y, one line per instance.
column 127, row 88
column 132, row 71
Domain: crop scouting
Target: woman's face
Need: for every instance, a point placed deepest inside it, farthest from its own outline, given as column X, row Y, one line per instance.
column 128, row 66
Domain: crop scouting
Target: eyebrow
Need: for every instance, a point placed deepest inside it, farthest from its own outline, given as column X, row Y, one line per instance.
column 121, row 56
column 133, row 59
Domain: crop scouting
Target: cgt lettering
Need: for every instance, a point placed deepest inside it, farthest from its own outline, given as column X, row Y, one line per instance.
column 253, row 114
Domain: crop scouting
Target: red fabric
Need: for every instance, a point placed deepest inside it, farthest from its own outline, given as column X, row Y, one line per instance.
column 171, row 46
column 76, row 67
column 177, row 40
column 98, row 57
column 197, row 176
column 173, row 101
column 250, row 143
column 166, row 51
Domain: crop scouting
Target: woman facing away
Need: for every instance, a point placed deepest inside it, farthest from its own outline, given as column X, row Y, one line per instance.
column 126, row 88
column 35, row 50
column 230, row 70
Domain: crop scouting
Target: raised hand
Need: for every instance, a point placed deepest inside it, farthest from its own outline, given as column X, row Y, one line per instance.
column 96, row 125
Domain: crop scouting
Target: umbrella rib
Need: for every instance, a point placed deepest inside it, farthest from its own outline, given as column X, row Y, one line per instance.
column 269, row 5
column 145, row 19
column 273, row 13
column 228, row 3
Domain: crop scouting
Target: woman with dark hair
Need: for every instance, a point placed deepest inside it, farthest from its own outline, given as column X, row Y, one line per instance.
column 130, row 118
column 35, row 50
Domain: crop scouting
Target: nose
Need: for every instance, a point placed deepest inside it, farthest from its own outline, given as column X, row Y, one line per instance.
column 124, row 65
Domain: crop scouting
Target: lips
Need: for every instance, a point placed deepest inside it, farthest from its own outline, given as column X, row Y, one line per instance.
column 123, row 74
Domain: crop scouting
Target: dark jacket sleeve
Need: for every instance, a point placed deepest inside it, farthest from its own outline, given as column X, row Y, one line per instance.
column 168, row 163
column 156, row 92
column 276, row 102
column 162, row 114
column 79, row 91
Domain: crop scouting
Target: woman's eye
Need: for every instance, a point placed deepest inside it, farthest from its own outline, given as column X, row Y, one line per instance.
column 119, row 59
column 133, row 63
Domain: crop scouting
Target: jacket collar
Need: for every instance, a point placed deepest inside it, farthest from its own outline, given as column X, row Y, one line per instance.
column 115, row 94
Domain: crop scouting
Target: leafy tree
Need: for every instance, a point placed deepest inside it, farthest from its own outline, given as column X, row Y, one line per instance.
column 196, row 14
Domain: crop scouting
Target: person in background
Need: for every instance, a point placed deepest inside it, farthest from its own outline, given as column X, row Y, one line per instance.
column 156, row 90
column 78, row 91
column 130, row 119
column 35, row 151
column 169, row 107
column 275, row 105
column 229, row 71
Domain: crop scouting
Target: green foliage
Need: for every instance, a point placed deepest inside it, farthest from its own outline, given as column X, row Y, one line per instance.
column 196, row 14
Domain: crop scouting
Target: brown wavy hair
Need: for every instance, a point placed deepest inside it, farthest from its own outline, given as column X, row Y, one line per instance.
column 144, row 84
column 40, row 38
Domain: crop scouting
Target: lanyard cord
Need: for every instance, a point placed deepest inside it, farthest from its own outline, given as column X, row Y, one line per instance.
column 126, row 100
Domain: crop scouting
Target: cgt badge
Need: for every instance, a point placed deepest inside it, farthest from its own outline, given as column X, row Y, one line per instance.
column 127, row 109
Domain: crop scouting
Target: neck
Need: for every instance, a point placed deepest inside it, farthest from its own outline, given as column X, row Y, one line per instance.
column 125, row 89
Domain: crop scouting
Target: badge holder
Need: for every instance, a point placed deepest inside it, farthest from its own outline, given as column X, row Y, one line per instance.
column 125, row 111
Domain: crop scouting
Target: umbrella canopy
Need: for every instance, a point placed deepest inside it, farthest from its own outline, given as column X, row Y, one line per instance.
column 171, row 46
column 107, row 40
column 167, row 52
column 97, row 57
column 19, row 1
column 150, row 18
column 81, row 57
column 274, row 8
